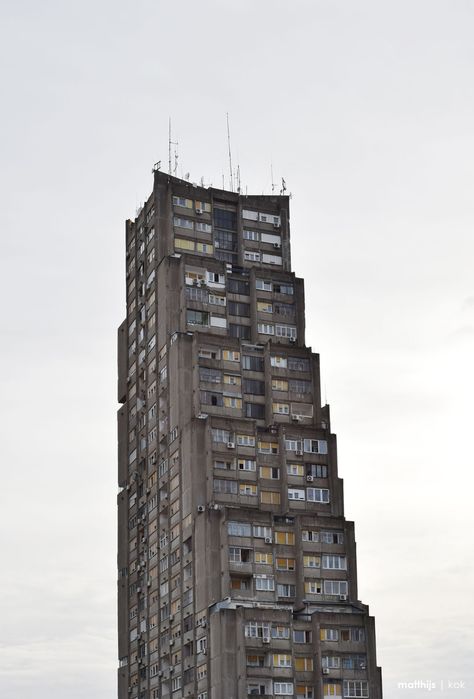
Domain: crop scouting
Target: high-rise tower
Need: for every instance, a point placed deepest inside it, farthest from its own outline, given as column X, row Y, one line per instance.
column 236, row 565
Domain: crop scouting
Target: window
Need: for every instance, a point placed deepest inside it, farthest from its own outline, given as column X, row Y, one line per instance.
column 252, row 363
column 285, row 564
column 317, row 470
column 232, row 379
column 329, row 634
column 183, row 244
column 197, row 317
column 285, row 537
column 260, row 532
column 201, row 671
column 271, row 259
column 285, row 330
column 221, row 436
column 230, row 356
column 254, row 387
column 286, row 590
column 298, row 364
column 183, row 222
column 203, row 206
column 215, row 279
column 281, row 408
column 201, row 645
column 195, row 293
column 237, row 286
column 257, row 629
column 317, row 495
column 217, row 300
column 311, row 561
column 251, row 256
column 264, row 307
column 269, row 472
column 265, row 329
column 255, row 661
column 239, row 529
column 304, row 692
column 296, row 494
column 334, row 562
column 239, row 309
column 248, row 489
column 313, row 587
column 308, row 535
column 331, row 661
column 300, row 386
column 225, row 486
column 210, row 375
column 285, row 309
column 279, row 384
column 264, row 583
column 245, row 440
column 295, row 469
column 255, row 410
column 315, row 446
column 283, row 288
column 301, row 636
column 278, row 361
column 203, row 227
column 210, row 398
column 239, row 331
column 279, row 631
column 335, row 587
column 270, row 497
column 283, row 688
column 224, row 465
column 281, row 660
column 263, row 558
column 181, row 201
column 251, row 235
column 176, row 683
column 239, row 555
column 355, row 634
column 250, row 215
column 232, row 402
column 263, row 285
column 224, row 218
column 328, row 537
column 354, row 662
column 207, row 353
column 356, row 688
column 246, row 465
column 267, row 447
column 304, row 664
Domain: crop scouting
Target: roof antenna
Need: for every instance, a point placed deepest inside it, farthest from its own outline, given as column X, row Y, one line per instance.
column 172, row 143
column 238, row 179
column 283, row 187
column 273, row 184
column 230, row 155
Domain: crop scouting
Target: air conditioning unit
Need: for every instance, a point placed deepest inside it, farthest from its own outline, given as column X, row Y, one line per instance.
column 172, row 642
column 362, row 666
column 160, row 673
column 310, row 479
column 325, row 671
column 276, row 225
column 204, row 651
column 343, row 598
column 277, row 246
column 201, row 508
column 143, row 539
column 292, row 339
column 199, row 211
column 196, row 282
column 139, row 589
column 148, row 491
column 230, row 445
column 296, row 418
column 203, row 623
column 268, row 540
column 148, row 583
column 266, row 639
column 299, row 452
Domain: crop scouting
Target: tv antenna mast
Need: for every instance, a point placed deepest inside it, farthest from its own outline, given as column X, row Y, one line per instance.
column 271, row 171
column 230, row 155
column 172, row 143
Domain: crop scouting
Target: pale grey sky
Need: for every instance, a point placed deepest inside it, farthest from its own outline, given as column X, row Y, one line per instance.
column 366, row 108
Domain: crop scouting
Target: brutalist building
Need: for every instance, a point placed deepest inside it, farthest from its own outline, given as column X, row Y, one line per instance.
column 236, row 566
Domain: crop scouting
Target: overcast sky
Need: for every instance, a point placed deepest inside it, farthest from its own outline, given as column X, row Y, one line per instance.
column 366, row 108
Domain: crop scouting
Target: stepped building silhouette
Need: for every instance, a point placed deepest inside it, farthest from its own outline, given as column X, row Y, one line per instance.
column 236, row 566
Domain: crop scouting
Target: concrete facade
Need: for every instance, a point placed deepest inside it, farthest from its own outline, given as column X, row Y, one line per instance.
column 236, row 566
